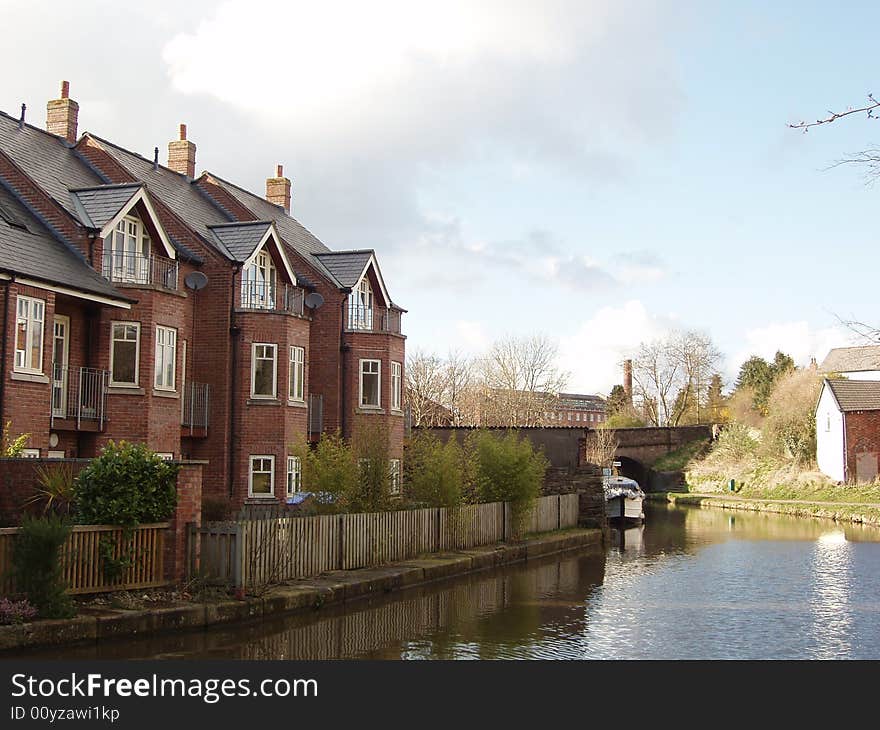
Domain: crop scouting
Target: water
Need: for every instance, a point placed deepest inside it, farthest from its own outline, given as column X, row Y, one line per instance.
column 692, row 584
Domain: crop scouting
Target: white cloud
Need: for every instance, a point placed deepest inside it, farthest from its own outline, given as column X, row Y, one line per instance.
column 594, row 353
column 797, row 339
column 472, row 336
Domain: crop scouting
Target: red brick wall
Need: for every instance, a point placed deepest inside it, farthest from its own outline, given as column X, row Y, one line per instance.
column 862, row 436
column 189, row 510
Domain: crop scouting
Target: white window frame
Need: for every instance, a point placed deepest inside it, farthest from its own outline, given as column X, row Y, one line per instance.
column 378, row 374
column 296, row 376
column 396, row 384
column 27, row 315
column 360, row 306
column 137, row 352
column 259, row 280
column 163, row 347
column 294, row 475
column 251, row 459
column 274, row 347
column 394, row 476
column 127, row 251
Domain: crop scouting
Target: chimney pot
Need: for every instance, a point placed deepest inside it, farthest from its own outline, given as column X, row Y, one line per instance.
column 182, row 154
column 62, row 115
column 278, row 189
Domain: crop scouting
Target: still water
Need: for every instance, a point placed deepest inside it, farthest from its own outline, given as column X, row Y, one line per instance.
column 692, row 583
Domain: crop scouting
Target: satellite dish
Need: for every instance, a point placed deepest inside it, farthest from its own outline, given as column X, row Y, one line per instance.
column 314, row 300
column 196, row 280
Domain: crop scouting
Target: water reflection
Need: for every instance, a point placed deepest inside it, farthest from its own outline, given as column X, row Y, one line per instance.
column 690, row 583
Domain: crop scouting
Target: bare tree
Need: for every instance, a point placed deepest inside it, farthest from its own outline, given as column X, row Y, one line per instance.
column 834, row 116
column 669, row 374
column 425, row 381
column 521, row 380
column 458, row 385
column 601, row 446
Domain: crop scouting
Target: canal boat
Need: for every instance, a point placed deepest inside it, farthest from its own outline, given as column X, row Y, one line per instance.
column 623, row 499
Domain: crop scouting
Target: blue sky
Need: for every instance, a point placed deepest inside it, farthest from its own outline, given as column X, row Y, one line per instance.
column 599, row 171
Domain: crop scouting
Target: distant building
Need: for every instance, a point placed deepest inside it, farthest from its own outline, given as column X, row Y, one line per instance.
column 577, row 409
column 855, row 363
column 848, row 429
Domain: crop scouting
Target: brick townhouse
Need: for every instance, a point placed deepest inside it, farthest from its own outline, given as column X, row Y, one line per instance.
column 143, row 302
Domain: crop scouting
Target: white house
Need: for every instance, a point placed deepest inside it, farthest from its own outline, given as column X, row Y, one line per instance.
column 848, row 429
column 855, row 363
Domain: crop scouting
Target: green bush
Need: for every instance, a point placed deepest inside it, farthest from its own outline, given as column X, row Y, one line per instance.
column 372, row 489
column 128, row 484
column 36, row 565
column 506, row 468
column 329, row 471
column 434, row 471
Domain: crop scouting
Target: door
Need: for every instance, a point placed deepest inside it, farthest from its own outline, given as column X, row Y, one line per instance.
column 60, row 348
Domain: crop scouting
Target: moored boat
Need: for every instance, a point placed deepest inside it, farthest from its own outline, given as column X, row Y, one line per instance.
column 623, row 499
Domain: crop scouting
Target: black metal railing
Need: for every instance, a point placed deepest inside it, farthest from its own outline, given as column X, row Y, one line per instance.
column 284, row 298
column 373, row 319
column 78, row 394
column 140, row 270
column 196, row 405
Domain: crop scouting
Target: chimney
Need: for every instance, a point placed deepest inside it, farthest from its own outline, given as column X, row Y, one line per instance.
column 278, row 189
column 628, row 380
column 814, row 366
column 62, row 114
column 182, row 155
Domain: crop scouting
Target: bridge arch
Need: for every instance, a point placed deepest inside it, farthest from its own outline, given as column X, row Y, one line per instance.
column 633, row 469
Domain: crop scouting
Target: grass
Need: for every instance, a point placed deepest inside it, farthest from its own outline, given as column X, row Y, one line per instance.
column 679, row 459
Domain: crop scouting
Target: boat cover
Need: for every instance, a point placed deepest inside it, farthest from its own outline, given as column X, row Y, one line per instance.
column 621, row 486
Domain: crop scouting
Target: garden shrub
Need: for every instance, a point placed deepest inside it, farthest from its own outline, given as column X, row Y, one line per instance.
column 434, row 471
column 329, row 471
column 16, row 612
column 371, row 491
column 128, row 484
column 54, row 493
column 36, row 565
column 506, row 468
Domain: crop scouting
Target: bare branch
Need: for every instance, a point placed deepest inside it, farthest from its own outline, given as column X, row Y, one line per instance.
column 834, row 116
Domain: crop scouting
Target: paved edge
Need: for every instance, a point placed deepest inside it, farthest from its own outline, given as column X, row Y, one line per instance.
column 298, row 596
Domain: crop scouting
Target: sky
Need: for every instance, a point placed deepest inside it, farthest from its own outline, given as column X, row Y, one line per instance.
column 602, row 171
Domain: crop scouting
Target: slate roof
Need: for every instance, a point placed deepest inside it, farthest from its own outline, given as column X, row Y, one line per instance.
column 851, row 359
column 856, row 395
column 29, row 249
column 99, row 205
column 297, row 236
column 240, row 239
column 346, row 266
column 579, row 400
column 47, row 160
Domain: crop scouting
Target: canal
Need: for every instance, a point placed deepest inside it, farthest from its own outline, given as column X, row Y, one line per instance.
column 691, row 584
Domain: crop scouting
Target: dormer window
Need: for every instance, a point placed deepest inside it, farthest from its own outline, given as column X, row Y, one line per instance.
column 258, row 283
column 360, row 306
column 127, row 252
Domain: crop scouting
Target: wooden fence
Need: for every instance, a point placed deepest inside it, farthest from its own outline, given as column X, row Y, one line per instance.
column 252, row 552
column 83, row 562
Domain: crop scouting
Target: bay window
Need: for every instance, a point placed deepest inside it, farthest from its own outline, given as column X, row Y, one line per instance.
column 370, row 386
column 30, row 318
column 395, row 476
column 296, row 377
column 263, row 370
column 261, row 476
column 396, row 380
column 124, row 353
column 258, row 283
column 166, row 357
column 294, row 475
column 360, row 307
column 127, row 252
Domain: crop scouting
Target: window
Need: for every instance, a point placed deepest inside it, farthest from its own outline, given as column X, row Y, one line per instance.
column 258, row 283
column 31, row 314
column 263, row 369
column 294, row 475
column 370, row 372
column 360, row 307
column 124, row 353
column 261, row 481
column 127, row 252
column 827, row 421
column 395, row 476
column 297, row 373
column 396, row 371
column 166, row 357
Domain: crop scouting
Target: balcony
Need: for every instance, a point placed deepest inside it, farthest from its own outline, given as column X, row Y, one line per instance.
column 373, row 319
column 196, row 411
column 268, row 297
column 78, row 398
column 139, row 270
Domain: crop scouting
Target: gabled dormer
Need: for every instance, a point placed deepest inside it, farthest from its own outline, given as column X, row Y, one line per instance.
column 137, row 249
column 267, row 280
column 369, row 306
